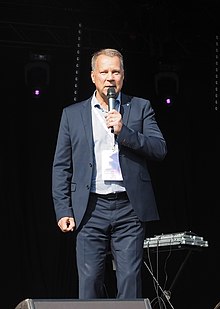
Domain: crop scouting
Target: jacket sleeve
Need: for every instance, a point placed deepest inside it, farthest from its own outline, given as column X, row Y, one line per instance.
column 62, row 171
column 141, row 133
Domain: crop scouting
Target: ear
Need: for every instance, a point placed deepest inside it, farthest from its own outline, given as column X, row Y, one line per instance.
column 92, row 77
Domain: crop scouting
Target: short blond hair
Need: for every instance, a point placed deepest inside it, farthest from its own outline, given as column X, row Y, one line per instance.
column 107, row 52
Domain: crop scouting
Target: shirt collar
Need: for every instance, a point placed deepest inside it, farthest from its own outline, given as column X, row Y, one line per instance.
column 95, row 102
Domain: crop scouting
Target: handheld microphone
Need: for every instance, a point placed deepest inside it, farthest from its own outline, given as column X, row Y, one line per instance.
column 111, row 95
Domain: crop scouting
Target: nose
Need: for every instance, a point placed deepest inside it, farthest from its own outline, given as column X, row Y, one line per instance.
column 110, row 76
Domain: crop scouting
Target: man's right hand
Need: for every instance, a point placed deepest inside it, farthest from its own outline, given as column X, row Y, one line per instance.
column 67, row 224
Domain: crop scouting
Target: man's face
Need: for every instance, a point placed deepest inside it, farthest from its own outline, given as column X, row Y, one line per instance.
column 107, row 73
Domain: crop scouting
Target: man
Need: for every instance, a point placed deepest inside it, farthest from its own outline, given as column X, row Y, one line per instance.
column 101, row 184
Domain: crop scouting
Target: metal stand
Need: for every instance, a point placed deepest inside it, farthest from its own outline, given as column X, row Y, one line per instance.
column 170, row 242
column 167, row 293
column 180, row 270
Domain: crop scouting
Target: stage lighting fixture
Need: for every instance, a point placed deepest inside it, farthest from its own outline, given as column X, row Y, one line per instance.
column 37, row 75
column 167, row 87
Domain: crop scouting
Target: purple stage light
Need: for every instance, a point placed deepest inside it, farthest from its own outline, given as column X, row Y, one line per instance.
column 36, row 93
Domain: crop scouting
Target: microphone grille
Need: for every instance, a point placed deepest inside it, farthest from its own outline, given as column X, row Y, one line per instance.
column 111, row 92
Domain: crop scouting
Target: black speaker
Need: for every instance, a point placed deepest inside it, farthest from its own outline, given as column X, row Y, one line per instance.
column 84, row 304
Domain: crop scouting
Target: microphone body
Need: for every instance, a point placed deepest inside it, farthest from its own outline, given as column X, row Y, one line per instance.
column 111, row 103
column 111, row 95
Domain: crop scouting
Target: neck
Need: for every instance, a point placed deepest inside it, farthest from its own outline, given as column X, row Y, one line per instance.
column 102, row 101
column 104, row 105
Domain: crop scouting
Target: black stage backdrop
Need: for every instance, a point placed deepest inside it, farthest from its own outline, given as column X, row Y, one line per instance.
column 168, row 49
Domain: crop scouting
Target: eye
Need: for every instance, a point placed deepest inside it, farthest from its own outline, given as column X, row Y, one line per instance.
column 116, row 72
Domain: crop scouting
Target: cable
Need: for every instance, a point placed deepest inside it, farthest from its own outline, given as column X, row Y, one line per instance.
column 158, row 286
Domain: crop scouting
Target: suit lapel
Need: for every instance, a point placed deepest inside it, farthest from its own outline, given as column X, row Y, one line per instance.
column 87, row 120
column 125, row 108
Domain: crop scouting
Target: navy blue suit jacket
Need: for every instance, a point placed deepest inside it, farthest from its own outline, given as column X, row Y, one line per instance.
column 140, row 140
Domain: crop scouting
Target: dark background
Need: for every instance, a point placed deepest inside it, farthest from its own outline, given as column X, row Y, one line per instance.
column 170, row 48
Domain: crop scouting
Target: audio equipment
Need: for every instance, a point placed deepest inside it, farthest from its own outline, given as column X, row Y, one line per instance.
column 183, row 240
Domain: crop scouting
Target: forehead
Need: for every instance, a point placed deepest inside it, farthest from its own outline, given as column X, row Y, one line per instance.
column 104, row 61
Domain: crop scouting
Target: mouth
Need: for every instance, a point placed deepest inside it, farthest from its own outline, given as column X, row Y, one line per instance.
column 114, row 86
